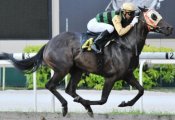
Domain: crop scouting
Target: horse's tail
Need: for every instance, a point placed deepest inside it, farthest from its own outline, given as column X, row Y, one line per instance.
column 28, row 65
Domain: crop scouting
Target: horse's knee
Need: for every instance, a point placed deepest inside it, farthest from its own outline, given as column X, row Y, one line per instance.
column 68, row 91
column 71, row 92
column 49, row 86
column 141, row 91
column 102, row 101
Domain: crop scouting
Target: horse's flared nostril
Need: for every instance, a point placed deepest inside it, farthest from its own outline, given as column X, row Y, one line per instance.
column 170, row 28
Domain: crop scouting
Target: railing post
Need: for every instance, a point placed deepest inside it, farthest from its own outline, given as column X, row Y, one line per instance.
column 140, row 72
column 35, row 91
column 141, row 82
column 3, row 78
column 66, row 81
column 53, row 97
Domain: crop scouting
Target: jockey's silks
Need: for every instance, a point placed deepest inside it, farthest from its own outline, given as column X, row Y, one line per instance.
column 107, row 16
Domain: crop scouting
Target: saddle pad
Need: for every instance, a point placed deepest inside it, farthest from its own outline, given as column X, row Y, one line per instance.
column 87, row 35
column 87, row 40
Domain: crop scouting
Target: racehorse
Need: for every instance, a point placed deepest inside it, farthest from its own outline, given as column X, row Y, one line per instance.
column 63, row 54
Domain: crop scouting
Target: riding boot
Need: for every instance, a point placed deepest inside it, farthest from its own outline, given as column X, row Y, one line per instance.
column 99, row 42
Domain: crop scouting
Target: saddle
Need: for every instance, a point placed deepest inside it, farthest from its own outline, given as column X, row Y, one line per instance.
column 88, row 39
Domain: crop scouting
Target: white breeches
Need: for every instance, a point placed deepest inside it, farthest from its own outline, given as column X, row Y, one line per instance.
column 96, row 27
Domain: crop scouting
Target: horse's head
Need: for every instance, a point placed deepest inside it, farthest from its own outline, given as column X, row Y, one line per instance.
column 155, row 22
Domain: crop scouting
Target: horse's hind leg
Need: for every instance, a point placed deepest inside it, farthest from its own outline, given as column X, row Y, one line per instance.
column 52, row 84
column 72, row 85
column 74, row 80
column 134, row 83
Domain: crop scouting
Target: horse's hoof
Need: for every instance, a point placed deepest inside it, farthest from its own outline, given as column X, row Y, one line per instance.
column 77, row 99
column 123, row 104
column 64, row 111
column 90, row 113
column 43, row 118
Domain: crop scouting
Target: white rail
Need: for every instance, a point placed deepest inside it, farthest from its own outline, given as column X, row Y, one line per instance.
column 4, row 64
column 143, row 55
column 150, row 61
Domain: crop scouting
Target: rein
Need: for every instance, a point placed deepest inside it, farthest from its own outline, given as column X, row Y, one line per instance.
column 156, row 28
column 136, row 50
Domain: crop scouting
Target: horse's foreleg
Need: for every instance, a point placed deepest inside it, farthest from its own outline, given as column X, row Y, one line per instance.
column 72, row 85
column 109, row 83
column 134, row 83
column 52, row 84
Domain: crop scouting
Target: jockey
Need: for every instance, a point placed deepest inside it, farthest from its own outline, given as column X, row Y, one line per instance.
column 105, row 23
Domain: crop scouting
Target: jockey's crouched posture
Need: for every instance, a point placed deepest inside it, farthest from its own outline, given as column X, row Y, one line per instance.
column 122, row 20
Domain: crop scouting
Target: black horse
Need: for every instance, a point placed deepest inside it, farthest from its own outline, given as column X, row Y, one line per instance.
column 63, row 55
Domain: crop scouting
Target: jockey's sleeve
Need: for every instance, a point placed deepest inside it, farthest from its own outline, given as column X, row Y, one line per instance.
column 118, row 26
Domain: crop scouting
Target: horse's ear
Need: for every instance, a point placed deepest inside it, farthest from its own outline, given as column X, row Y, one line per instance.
column 143, row 9
column 137, row 13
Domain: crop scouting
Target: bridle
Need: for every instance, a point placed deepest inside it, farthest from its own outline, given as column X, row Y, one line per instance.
column 150, row 23
column 151, row 27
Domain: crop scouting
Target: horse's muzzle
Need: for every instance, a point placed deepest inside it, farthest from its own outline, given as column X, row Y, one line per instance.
column 165, row 30
column 168, row 31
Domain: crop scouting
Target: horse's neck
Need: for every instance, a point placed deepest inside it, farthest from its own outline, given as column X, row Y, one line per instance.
column 141, row 37
column 137, row 37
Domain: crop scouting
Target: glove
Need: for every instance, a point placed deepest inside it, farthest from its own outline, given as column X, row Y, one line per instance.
column 134, row 21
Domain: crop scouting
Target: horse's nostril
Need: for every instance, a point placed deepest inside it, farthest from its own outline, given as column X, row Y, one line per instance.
column 170, row 29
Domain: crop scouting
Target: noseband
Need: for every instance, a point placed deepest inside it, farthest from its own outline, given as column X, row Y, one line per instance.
column 151, row 25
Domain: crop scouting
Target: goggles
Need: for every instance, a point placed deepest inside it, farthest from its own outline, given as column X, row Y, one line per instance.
column 131, row 13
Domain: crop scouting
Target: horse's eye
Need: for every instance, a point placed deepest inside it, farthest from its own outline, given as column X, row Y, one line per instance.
column 154, row 17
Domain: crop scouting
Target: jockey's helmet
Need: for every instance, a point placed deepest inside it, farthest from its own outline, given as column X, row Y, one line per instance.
column 128, row 7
